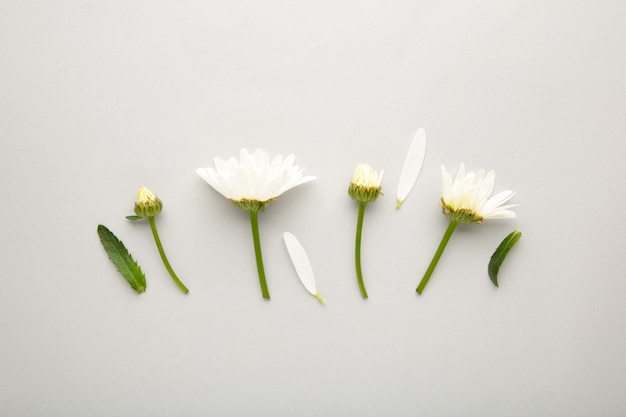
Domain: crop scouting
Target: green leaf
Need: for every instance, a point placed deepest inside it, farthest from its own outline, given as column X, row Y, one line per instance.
column 498, row 256
column 119, row 255
column 134, row 217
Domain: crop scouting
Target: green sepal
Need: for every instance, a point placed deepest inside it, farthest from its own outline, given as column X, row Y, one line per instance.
column 498, row 256
column 254, row 205
column 364, row 194
column 124, row 262
column 134, row 217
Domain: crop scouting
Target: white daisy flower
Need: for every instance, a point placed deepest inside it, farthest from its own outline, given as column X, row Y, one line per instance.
column 467, row 199
column 254, row 178
column 251, row 183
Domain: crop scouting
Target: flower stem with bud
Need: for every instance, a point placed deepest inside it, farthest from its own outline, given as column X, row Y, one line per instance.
column 148, row 205
column 364, row 188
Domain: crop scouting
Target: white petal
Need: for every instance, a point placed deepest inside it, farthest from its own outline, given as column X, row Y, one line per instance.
column 301, row 263
column 289, row 161
column 222, row 167
column 294, row 182
column 276, row 166
column 208, row 175
column 485, row 187
column 498, row 199
column 412, row 165
column 262, row 162
column 501, row 213
column 460, row 175
column 457, row 194
column 446, row 181
column 245, row 158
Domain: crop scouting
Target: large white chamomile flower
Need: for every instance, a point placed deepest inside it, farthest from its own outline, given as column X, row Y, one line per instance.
column 254, row 178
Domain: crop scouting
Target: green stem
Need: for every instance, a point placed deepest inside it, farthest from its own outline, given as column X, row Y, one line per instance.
column 164, row 258
column 444, row 241
column 254, row 221
column 357, row 249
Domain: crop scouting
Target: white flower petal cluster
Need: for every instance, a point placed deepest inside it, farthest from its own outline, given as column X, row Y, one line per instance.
column 254, row 177
column 365, row 176
column 469, row 195
column 365, row 185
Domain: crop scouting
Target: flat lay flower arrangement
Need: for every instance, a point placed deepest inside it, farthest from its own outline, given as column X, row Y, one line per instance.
column 255, row 180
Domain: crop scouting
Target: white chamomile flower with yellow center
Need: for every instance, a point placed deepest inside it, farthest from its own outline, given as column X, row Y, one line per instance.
column 467, row 199
column 251, row 183
column 364, row 188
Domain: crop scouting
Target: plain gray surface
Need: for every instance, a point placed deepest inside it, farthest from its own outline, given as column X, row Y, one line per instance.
column 99, row 98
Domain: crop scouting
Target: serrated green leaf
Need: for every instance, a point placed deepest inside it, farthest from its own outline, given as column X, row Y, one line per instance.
column 498, row 256
column 119, row 255
column 134, row 217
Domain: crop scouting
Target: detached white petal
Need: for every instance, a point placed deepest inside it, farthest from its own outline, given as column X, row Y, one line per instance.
column 302, row 264
column 412, row 166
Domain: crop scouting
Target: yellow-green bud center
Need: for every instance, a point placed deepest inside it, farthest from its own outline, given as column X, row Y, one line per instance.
column 365, row 185
column 364, row 194
column 147, row 204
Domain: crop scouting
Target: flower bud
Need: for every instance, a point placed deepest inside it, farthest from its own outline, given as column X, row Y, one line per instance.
column 147, row 204
column 365, row 185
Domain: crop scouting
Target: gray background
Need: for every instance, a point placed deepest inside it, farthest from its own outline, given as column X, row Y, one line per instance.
column 99, row 98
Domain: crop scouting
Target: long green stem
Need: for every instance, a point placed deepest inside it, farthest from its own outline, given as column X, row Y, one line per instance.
column 357, row 249
column 254, row 221
column 164, row 258
column 444, row 241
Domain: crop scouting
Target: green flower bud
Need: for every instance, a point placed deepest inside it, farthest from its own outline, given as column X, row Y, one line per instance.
column 147, row 204
column 365, row 185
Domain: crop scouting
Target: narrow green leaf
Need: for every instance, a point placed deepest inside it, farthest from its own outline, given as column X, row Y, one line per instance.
column 119, row 255
column 134, row 217
column 498, row 256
